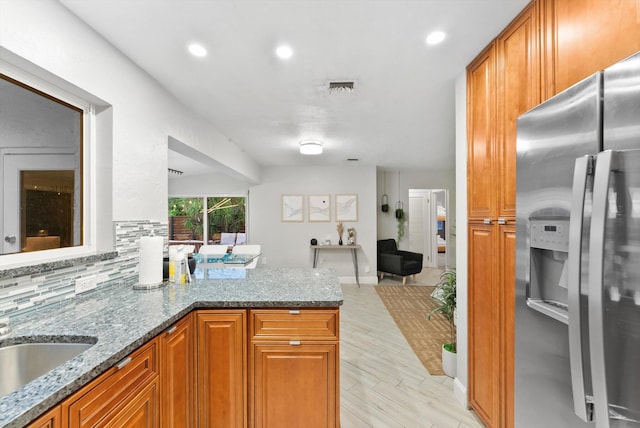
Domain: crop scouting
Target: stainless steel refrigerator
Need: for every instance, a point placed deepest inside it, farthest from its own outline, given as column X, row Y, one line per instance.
column 577, row 361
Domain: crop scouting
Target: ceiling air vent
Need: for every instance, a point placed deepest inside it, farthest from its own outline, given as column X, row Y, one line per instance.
column 342, row 87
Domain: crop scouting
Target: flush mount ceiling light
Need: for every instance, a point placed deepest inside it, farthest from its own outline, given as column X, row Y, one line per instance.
column 435, row 38
column 198, row 50
column 310, row 147
column 284, row 52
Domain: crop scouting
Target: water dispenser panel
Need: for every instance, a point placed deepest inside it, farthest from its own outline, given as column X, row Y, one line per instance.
column 549, row 251
column 550, row 234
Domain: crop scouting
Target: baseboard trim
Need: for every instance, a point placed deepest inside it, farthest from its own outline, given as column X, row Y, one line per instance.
column 460, row 391
column 363, row 280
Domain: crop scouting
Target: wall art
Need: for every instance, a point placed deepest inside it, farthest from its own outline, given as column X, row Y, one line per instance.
column 292, row 208
column 319, row 207
column 346, row 207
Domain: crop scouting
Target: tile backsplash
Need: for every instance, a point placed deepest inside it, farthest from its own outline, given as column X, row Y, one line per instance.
column 22, row 293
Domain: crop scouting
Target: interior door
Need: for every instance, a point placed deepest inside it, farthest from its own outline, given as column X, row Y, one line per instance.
column 443, row 239
column 422, row 231
column 14, row 166
column 428, row 226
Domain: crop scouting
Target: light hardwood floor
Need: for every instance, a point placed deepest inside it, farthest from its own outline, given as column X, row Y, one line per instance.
column 382, row 382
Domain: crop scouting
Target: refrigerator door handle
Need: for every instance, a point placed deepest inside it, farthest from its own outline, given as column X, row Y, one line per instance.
column 604, row 164
column 582, row 406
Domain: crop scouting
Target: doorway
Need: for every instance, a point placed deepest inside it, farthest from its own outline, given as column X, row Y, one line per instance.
column 428, row 228
column 40, row 200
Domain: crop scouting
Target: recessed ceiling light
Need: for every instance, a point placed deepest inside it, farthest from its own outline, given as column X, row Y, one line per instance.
column 198, row 50
column 310, row 147
column 435, row 37
column 284, row 52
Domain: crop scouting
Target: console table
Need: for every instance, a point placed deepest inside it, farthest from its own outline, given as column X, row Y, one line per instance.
column 354, row 254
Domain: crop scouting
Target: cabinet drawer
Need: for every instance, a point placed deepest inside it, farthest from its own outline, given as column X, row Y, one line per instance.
column 98, row 402
column 301, row 324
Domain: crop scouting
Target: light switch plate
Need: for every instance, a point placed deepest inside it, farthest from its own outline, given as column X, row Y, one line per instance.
column 86, row 284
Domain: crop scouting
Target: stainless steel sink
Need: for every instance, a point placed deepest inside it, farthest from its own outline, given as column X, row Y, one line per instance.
column 22, row 363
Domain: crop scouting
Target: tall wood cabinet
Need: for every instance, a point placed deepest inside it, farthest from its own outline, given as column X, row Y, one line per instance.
column 484, row 346
column 481, row 148
column 502, row 83
column 548, row 47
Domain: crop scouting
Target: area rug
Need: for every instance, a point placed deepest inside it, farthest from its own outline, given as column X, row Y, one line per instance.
column 409, row 306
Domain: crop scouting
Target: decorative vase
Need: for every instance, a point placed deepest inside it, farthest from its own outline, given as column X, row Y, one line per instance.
column 340, row 241
column 449, row 363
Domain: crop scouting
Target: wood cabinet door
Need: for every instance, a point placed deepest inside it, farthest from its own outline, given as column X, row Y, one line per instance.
column 141, row 411
column 51, row 419
column 584, row 36
column 518, row 83
column 507, row 272
column 481, row 111
column 221, row 368
column 294, row 385
column 484, row 326
column 177, row 375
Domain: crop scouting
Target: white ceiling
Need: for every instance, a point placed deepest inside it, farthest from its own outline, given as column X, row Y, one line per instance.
column 401, row 114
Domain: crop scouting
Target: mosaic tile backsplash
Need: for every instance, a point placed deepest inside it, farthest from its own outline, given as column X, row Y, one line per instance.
column 20, row 294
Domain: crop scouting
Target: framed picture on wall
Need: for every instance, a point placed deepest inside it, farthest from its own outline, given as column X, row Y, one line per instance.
column 319, row 207
column 292, row 208
column 346, row 207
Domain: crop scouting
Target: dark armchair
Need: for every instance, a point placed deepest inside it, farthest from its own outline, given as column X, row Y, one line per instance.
column 397, row 262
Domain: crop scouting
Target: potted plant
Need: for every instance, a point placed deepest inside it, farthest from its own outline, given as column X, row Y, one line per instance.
column 445, row 295
column 400, row 217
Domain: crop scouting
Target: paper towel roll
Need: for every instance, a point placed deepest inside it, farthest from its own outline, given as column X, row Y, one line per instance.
column 150, row 266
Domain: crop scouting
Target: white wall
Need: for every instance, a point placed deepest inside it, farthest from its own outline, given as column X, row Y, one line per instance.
column 287, row 243
column 387, row 225
column 462, row 380
column 143, row 115
column 207, row 185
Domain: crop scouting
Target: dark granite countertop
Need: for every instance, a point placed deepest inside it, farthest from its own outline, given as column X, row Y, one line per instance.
column 12, row 272
column 120, row 319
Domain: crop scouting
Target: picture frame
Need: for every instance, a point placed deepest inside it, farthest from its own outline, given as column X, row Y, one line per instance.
column 292, row 208
column 319, row 208
column 347, row 207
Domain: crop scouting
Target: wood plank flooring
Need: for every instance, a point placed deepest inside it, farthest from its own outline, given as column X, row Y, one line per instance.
column 382, row 382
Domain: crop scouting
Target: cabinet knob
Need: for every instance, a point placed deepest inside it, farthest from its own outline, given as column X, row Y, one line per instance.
column 487, row 221
column 294, row 342
column 294, row 311
column 502, row 221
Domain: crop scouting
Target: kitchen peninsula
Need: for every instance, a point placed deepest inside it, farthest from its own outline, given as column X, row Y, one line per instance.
column 275, row 331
